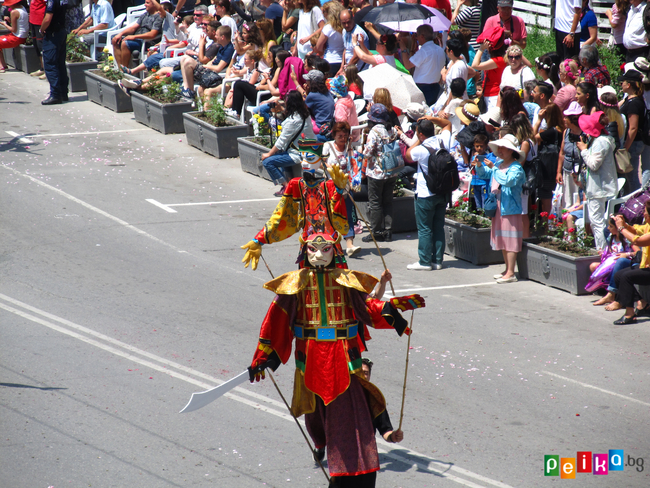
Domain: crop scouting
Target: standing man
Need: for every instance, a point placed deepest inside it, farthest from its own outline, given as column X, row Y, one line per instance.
column 634, row 35
column 542, row 94
column 148, row 27
column 514, row 26
column 101, row 17
column 429, row 208
column 428, row 62
column 567, row 25
column 274, row 13
column 349, row 34
column 53, row 32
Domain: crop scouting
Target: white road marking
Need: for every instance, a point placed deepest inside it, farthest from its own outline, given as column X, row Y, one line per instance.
column 93, row 208
column 224, row 201
column 403, row 455
column 22, row 140
column 447, row 287
column 161, row 205
column 89, row 133
column 587, row 385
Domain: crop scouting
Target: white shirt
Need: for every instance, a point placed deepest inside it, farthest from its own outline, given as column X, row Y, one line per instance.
column 456, row 70
column 305, row 28
column 517, row 80
column 564, row 11
column 347, row 43
column 334, row 48
column 194, row 33
column 421, row 156
column 230, row 22
column 429, row 61
column 634, row 35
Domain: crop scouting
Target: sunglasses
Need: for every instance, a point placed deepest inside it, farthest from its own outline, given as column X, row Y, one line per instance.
column 515, row 57
column 205, row 24
column 198, row 15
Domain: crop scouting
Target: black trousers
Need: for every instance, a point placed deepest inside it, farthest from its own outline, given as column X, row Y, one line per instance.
column 632, row 54
column 367, row 480
column 625, row 280
column 242, row 90
column 562, row 50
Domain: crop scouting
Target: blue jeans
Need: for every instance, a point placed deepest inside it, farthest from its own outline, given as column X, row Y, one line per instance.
column 620, row 264
column 54, row 63
column 430, row 219
column 275, row 164
column 153, row 61
column 431, row 91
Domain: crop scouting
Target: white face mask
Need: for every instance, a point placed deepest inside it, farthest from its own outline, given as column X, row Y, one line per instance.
column 320, row 254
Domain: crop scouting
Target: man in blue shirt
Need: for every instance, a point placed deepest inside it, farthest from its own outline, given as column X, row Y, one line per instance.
column 54, row 36
column 101, row 18
column 274, row 13
column 207, row 76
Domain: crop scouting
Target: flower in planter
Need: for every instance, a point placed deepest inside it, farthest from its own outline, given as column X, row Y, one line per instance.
column 461, row 212
column 107, row 66
column 563, row 238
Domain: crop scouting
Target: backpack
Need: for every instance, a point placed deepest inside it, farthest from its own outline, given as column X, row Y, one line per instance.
column 390, row 159
column 442, row 177
column 633, row 208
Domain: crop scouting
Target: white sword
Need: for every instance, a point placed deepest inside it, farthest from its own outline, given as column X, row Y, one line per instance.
column 202, row 398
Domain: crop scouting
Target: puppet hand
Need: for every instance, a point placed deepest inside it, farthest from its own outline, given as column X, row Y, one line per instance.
column 409, row 302
column 265, row 357
column 339, row 178
column 253, row 253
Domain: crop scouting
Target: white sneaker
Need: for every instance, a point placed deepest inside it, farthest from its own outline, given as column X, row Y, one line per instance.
column 512, row 279
column 351, row 251
column 418, row 267
column 436, row 266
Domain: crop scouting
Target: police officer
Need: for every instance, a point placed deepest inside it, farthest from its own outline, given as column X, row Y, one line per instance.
column 54, row 36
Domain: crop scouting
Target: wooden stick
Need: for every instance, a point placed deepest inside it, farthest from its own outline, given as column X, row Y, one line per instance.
column 381, row 256
column 406, row 369
column 298, row 424
column 267, row 266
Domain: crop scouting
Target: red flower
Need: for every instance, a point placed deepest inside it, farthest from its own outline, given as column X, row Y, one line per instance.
column 543, row 215
column 533, row 207
column 457, row 204
column 465, row 199
column 571, row 230
column 552, row 217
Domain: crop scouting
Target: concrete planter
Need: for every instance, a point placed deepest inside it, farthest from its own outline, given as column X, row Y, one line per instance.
column 10, row 57
column 106, row 92
column 554, row 268
column 403, row 214
column 220, row 142
column 470, row 244
column 26, row 59
column 163, row 117
column 76, row 74
column 250, row 155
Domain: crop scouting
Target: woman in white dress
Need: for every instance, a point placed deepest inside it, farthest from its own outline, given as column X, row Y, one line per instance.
column 516, row 73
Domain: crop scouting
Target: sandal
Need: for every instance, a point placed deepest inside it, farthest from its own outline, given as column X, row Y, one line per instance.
column 625, row 320
column 642, row 312
column 126, row 70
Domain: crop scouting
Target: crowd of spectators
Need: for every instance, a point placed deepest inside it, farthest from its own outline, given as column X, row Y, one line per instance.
column 496, row 112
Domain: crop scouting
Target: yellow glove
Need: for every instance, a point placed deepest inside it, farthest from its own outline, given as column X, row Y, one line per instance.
column 253, row 253
column 339, row 178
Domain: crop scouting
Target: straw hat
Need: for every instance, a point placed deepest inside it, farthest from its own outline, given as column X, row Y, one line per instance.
column 510, row 142
column 468, row 112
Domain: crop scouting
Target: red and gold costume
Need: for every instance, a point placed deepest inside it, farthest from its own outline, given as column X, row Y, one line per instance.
column 311, row 205
column 324, row 309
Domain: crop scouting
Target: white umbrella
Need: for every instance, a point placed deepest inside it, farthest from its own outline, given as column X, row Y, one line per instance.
column 437, row 21
column 401, row 86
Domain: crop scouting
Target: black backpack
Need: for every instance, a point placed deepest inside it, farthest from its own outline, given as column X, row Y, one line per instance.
column 443, row 176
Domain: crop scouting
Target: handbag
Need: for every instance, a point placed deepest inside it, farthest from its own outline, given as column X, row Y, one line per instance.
column 623, row 164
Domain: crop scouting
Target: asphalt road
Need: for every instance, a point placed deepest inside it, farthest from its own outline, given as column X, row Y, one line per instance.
column 113, row 311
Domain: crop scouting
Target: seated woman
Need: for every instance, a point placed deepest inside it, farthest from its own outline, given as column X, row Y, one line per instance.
column 626, row 278
column 246, row 86
column 616, row 256
column 318, row 99
column 297, row 121
column 18, row 29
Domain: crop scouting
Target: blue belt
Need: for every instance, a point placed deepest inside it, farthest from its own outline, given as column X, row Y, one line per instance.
column 325, row 333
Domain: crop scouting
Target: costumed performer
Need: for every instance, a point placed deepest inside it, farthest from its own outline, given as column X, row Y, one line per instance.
column 309, row 203
column 323, row 307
